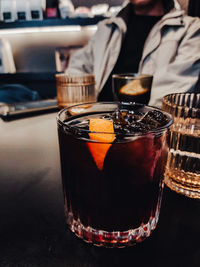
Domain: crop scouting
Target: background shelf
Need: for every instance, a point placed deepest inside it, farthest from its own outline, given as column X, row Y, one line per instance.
column 51, row 22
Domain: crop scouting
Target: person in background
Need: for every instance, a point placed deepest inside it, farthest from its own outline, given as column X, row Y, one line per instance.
column 147, row 36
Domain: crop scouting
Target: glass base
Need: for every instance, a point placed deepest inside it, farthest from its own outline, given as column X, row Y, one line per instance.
column 181, row 188
column 112, row 239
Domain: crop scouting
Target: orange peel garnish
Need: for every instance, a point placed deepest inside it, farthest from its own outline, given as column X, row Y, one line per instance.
column 102, row 132
column 133, row 88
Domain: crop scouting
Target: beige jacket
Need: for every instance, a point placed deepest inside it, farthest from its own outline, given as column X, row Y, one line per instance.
column 171, row 54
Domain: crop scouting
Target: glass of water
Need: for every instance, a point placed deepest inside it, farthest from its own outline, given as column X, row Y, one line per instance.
column 183, row 165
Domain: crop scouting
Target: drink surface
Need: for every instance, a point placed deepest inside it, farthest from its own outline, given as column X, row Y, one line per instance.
column 125, row 122
column 124, row 193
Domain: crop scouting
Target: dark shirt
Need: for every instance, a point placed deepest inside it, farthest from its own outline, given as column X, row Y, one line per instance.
column 130, row 55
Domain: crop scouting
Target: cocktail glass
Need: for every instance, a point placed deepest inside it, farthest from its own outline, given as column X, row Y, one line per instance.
column 113, row 178
column 132, row 87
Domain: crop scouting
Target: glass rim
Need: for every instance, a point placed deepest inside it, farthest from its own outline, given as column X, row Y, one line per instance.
column 139, row 133
column 63, row 74
column 131, row 75
column 166, row 99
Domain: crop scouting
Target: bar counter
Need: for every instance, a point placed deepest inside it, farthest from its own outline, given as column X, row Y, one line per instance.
column 32, row 223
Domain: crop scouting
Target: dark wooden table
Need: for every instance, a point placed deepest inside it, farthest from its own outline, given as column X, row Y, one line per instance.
column 33, row 232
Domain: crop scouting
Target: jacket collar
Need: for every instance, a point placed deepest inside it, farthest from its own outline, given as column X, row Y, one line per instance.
column 174, row 16
column 128, row 9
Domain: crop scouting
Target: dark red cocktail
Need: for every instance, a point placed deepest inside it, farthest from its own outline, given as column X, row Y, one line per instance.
column 113, row 179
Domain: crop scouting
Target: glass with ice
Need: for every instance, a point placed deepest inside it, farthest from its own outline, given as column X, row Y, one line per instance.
column 113, row 157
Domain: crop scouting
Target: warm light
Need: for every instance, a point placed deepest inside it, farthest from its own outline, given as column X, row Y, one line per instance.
column 73, row 28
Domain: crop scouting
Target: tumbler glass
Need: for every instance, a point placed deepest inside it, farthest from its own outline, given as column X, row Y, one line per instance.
column 183, row 165
column 112, row 176
column 75, row 89
column 132, row 87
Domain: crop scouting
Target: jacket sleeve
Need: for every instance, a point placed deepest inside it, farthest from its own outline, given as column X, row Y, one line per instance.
column 82, row 60
column 182, row 73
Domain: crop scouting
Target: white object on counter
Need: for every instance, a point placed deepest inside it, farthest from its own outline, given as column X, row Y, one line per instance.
column 66, row 8
column 7, row 64
column 82, row 12
column 100, row 9
column 36, row 9
column 7, row 10
column 22, row 10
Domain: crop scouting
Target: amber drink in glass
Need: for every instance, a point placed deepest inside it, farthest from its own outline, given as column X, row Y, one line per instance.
column 75, row 89
column 183, row 164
